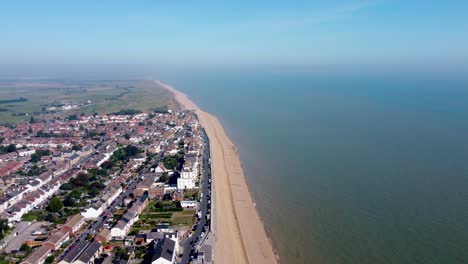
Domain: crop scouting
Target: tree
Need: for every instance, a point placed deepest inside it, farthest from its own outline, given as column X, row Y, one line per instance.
column 11, row 148
column 25, row 247
column 164, row 177
column 81, row 180
column 32, row 120
column 49, row 260
column 76, row 147
column 3, row 227
column 72, row 117
column 51, row 218
column 54, row 205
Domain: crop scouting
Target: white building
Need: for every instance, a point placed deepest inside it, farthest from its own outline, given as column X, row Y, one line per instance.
column 23, row 153
column 188, row 204
column 94, row 211
column 185, row 183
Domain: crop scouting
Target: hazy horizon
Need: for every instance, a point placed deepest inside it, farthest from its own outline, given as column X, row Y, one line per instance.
column 212, row 33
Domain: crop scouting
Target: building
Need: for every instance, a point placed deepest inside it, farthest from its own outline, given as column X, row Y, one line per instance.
column 94, row 211
column 91, row 252
column 74, row 224
column 103, row 236
column 188, row 204
column 38, row 256
column 121, row 229
column 82, row 253
column 56, row 240
column 74, row 253
column 164, row 252
column 185, row 183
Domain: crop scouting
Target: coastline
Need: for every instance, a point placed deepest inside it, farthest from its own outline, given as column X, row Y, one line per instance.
column 239, row 233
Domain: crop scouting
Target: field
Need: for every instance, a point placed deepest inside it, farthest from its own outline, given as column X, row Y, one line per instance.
column 152, row 216
column 20, row 100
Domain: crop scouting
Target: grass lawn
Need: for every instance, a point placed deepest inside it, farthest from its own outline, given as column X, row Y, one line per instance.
column 183, row 218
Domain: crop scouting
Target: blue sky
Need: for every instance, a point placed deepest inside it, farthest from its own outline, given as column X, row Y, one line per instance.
column 191, row 32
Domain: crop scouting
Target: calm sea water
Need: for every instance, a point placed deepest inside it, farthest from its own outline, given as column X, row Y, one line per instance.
column 349, row 169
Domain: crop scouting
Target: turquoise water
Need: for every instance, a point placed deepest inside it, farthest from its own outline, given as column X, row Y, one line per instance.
column 349, row 169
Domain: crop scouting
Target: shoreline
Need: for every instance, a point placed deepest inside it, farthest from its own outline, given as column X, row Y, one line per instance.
column 239, row 233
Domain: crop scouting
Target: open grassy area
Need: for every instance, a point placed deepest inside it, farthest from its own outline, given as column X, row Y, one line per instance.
column 163, row 212
column 20, row 100
column 183, row 218
column 191, row 194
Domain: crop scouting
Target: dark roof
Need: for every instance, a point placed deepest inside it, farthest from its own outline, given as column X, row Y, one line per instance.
column 164, row 249
column 76, row 251
column 74, row 156
column 143, row 197
column 162, row 226
column 90, row 252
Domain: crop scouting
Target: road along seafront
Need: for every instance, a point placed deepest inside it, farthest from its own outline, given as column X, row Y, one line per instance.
column 239, row 234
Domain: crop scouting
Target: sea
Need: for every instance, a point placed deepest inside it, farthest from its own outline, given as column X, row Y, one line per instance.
column 348, row 168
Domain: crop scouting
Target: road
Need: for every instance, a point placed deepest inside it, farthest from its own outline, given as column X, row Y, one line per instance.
column 205, row 192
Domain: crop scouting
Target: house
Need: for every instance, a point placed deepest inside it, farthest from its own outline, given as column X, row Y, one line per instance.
column 38, row 256
column 103, row 236
column 83, row 252
column 121, row 229
column 164, row 252
column 177, row 195
column 73, row 253
column 90, row 254
column 156, row 236
column 5, row 170
column 165, row 228
column 74, row 224
column 56, row 240
column 26, row 152
column 94, row 211
column 161, row 168
column 185, row 183
column 156, row 192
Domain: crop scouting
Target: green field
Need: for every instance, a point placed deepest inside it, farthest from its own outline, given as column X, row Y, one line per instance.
column 20, row 100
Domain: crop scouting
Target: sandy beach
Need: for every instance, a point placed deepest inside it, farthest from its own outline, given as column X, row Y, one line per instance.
column 238, row 231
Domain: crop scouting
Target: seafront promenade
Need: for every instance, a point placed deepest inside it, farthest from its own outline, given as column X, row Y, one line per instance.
column 238, row 231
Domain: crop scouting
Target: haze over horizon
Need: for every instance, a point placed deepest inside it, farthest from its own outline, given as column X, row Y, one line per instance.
column 194, row 33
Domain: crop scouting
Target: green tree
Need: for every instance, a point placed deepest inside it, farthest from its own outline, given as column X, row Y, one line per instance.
column 49, row 260
column 66, row 186
column 76, row 147
column 3, row 227
column 25, row 247
column 164, row 177
column 11, row 148
column 51, row 218
column 72, row 117
column 54, row 205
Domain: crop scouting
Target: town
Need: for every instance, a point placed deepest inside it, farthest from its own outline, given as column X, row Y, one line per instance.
column 125, row 187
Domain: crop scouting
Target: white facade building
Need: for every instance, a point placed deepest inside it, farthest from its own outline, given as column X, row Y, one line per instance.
column 185, row 183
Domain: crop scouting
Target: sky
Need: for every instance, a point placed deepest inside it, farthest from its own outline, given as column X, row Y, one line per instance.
column 197, row 32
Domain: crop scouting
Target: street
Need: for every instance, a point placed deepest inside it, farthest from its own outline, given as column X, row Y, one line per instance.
column 203, row 224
